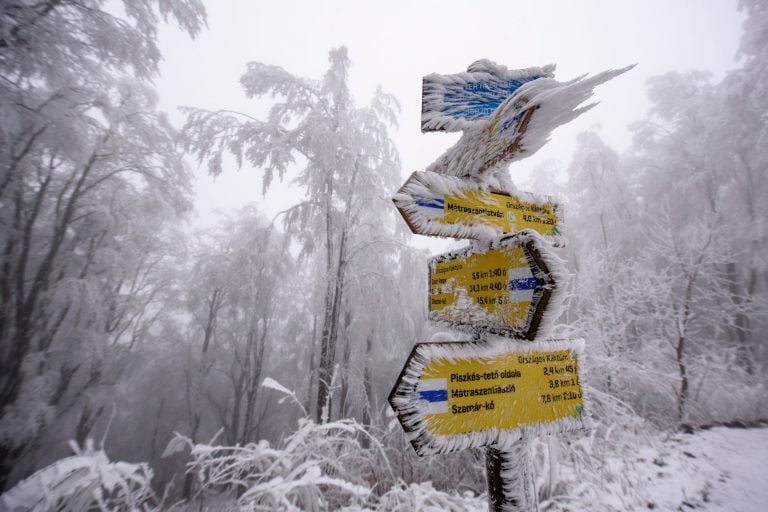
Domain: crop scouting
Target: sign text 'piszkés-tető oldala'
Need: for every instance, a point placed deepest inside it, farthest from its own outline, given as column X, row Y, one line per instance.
column 458, row 395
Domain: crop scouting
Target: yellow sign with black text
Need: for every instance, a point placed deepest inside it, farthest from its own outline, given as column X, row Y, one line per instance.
column 506, row 213
column 503, row 287
column 447, row 206
column 452, row 396
column 497, row 283
column 503, row 392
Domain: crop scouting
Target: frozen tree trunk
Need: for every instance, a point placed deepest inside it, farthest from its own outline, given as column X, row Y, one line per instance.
column 333, row 296
column 328, row 346
column 682, row 333
column 330, row 334
column 85, row 424
column 330, row 311
column 214, row 305
column 312, row 365
column 156, row 430
column 682, row 396
column 254, row 379
column 368, row 387
column 741, row 328
column 346, row 355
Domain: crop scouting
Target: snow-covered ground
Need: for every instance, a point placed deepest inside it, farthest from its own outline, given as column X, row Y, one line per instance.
column 719, row 469
column 723, row 469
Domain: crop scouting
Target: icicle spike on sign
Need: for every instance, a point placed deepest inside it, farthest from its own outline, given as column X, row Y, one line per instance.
column 520, row 126
column 447, row 206
column 459, row 395
column 508, row 286
column 457, row 102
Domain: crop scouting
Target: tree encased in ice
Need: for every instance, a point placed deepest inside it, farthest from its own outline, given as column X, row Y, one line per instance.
column 86, row 163
column 237, row 296
column 349, row 166
column 671, row 275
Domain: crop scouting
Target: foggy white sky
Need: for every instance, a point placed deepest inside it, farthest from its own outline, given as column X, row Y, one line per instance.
column 395, row 43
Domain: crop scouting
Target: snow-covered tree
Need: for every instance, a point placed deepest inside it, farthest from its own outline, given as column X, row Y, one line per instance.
column 241, row 301
column 668, row 244
column 351, row 165
column 599, row 221
column 743, row 138
column 86, row 163
column 698, row 160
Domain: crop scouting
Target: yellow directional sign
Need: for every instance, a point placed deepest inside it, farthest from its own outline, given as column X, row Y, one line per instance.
column 446, row 206
column 503, row 287
column 452, row 396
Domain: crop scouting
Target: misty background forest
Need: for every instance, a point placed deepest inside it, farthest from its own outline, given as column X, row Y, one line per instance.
column 148, row 362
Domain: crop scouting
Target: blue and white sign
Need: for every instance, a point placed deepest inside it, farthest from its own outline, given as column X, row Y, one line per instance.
column 454, row 102
column 522, row 284
column 433, row 393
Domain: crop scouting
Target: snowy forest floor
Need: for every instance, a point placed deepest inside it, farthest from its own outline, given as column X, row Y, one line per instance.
column 722, row 469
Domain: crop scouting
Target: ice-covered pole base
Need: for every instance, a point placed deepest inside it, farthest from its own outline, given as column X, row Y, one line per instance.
column 511, row 485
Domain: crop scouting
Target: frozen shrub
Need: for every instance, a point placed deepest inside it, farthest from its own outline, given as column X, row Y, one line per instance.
column 425, row 498
column 84, row 481
column 318, row 467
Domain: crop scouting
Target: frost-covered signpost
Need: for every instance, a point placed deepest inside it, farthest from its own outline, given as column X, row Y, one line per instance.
column 492, row 392
column 502, row 286
column 457, row 395
column 437, row 205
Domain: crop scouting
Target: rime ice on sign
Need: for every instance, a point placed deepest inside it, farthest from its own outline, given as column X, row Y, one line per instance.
column 458, row 395
column 503, row 287
column 454, row 396
column 520, row 125
column 522, row 284
column 455, row 102
column 447, row 206
column 434, row 395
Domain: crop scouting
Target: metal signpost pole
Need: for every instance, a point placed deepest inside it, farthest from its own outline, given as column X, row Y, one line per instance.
column 511, row 485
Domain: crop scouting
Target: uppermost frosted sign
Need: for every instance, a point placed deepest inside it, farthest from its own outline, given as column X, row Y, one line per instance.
column 455, row 102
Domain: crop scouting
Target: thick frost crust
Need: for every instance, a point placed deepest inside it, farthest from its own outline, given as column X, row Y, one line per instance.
column 520, row 126
column 428, row 187
column 511, row 480
column 452, row 103
column 411, row 410
column 547, row 269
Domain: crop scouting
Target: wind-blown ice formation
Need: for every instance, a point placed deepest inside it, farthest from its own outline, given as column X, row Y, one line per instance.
column 520, row 126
